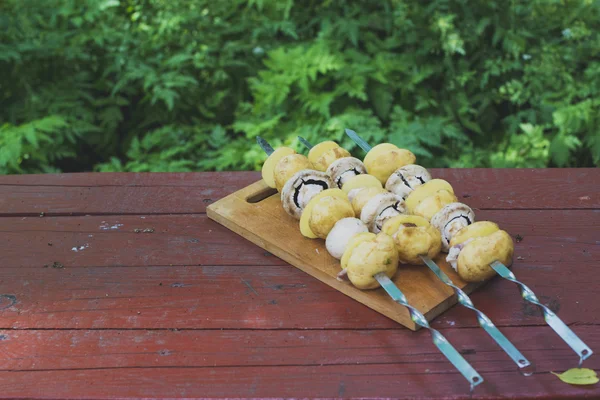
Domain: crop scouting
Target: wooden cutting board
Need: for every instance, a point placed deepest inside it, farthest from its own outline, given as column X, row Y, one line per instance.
column 255, row 212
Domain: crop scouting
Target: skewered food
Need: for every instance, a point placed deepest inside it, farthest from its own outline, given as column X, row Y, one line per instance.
column 344, row 169
column 301, row 188
column 382, row 160
column 451, row 219
column 341, row 233
column 353, row 185
column 366, row 255
column 323, row 211
column 406, row 179
column 268, row 168
column 414, row 237
column 476, row 246
column 429, row 198
column 380, row 208
column 328, row 157
column 287, row 167
column 360, row 197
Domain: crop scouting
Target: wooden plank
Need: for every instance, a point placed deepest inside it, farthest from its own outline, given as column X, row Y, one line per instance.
column 389, row 363
column 128, row 193
column 548, row 238
column 563, row 274
column 255, row 297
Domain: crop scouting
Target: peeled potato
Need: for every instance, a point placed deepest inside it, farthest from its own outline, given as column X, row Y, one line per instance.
column 473, row 264
column 326, row 212
column 386, row 158
column 268, row 168
column 287, row 167
column 476, row 229
column 434, row 203
column 352, row 243
column 426, row 190
column 361, row 181
column 363, row 197
column 370, row 257
column 305, row 217
column 414, row 237
column 317, row 151
column 328, row 157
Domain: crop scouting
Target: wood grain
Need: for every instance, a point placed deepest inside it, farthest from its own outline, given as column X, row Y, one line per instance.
column 192, row 310
column 173, row 193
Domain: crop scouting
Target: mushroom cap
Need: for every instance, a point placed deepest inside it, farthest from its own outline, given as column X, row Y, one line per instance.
column 383, row 159
column 473, row 264
column 359, row 197
column 341, row 233
column 405, row 179
column 370, row 257
column 326, row 212
column 268, row 168
column 379, row 208
column 287, row 167
column 301, row 188
column 414, row 237
column 345, row 168
column 328, row 157
column 451, row 219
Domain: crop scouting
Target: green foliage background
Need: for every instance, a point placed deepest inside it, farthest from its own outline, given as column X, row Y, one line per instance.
column 183, row 85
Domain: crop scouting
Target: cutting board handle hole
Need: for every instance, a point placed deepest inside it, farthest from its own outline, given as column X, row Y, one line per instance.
column 261, row 195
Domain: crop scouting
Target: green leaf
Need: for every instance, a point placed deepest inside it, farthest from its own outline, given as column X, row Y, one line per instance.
column 382, row 98
column 578, row 376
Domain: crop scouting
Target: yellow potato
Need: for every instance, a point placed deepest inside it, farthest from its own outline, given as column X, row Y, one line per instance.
column 352, row 243
column 426, row 190
column 326, row 212
column 305, row 217
column 328, row 157
column 414, row 237
column 317, row 151
column 361, row 181
column 476, row 229
column 268, row 168
column 391, row 225
column 386, row 158
column 434, row 203
column 363, row 196
column 287, row 167
column 370, row 257
column 473, row 264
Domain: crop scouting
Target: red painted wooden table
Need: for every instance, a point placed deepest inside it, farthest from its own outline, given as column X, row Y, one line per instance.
column 118, row 285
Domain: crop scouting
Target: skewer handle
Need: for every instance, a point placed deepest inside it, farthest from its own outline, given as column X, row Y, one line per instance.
column 566, row 334
column 482, row 319
column 358, row 140
column 438, row 339
column 264, row 145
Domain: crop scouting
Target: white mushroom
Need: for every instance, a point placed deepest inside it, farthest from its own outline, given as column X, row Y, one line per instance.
column 302, row 187
column 454, row 252
column 343, row 230
column 380, row 208
column 341, row 170
column 451, row 219
column 405, row 179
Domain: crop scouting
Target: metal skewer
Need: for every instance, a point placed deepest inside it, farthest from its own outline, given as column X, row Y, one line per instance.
column 415, row 315
column 566, row 334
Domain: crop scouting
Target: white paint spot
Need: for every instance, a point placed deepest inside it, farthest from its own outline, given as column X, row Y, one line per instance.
column 106, row 227
column 90, row 235
column 451, row 323
column 317, row 250
column 143, row 217
column 80, row 248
